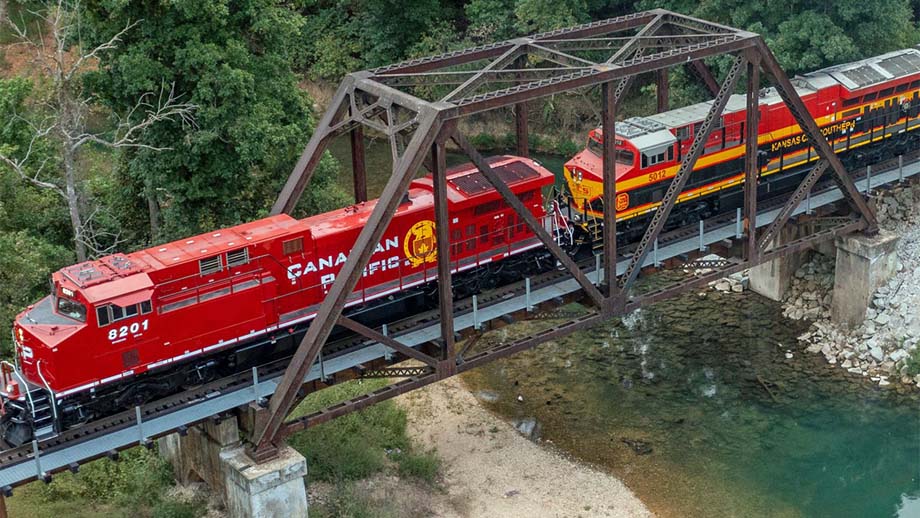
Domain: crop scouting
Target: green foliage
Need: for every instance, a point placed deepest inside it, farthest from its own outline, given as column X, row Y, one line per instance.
column 484, row 141
column 423, row 466
column 173, row 509
column 565, row 147
column 134, row 486
column 489, row 20
column 348, row 501
column 807, row 35
column 545, row 15
column 913, row 362
column 26, row 263
column 234, row 60
column 138, row 478
column 353, row 446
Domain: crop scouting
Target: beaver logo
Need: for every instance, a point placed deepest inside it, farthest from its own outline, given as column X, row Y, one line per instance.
column 420, row 243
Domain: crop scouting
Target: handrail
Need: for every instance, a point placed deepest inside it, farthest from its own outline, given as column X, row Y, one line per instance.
column 25, row 387
column 38, row 366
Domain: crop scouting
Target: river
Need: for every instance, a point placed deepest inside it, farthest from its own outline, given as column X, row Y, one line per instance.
column 705, row 406
column 699, row 407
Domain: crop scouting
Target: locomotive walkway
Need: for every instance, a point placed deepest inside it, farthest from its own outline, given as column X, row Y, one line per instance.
column 68, row 451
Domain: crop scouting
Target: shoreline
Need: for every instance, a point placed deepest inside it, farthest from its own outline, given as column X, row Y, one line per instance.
column 490, row 469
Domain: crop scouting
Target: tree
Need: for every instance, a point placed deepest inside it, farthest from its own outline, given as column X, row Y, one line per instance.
column 490, row 20
column 805, row 35
column 234, row 59
column 60, row 125
column 545, row 15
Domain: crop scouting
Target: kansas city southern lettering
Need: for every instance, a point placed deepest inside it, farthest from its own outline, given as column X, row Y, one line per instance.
column 831, row 131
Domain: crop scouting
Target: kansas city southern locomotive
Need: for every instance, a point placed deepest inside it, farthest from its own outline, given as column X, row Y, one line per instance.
column 866, row 110
column 130, row 328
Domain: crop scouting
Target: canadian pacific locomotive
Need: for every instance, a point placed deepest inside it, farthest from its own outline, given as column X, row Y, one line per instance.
column 130, row 328
column 126, row 329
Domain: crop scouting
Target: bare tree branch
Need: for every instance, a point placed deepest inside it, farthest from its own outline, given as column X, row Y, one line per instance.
column 127, row 133
column 61, row 56
column 99, row 242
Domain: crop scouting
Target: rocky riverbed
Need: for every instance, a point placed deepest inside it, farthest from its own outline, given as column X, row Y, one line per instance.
column 882, row 347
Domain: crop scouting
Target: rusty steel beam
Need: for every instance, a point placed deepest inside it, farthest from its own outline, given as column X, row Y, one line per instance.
column 265, row 436
column 795, row 246
column 808, row 125
column 601, row 27
column 363, row 330
column 700, row 25
column 394, row 372
column 458, row 77
column 442, row 241
column 358, row 164
column 558, row 57
column 663, row 95
column 751, row 163
column 503, row 61
column 609, row 178
column 772, row 231
column 521, row 128
column 492, row 50
column 532, row 222
column 635, row 43
column 706, row 76
column 680, row 179
column 309, row 159
column 590, row 77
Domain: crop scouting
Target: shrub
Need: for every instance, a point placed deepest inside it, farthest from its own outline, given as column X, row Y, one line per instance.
column 913, row 362
column 566, row 148
column 138, row 478
column 352, row 446
column 346, row 501
column 422, row 466
column 174, row 509
column 484, row 142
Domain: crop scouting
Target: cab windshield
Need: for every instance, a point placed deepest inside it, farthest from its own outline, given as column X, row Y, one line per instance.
column 71, row 309
column 623, row 156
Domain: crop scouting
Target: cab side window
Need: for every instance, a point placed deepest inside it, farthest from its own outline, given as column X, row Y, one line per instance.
column 110, row 313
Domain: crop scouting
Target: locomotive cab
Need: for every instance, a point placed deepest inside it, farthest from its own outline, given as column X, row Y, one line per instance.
column 644, row 147
column 53, row 338
column 583, row 173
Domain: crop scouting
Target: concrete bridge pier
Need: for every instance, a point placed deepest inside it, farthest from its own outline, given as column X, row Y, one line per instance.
column 863, row 264
column 773, row 279
column 213, row 453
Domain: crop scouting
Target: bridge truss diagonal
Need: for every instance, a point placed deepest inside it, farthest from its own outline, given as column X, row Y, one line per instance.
column 416, row 106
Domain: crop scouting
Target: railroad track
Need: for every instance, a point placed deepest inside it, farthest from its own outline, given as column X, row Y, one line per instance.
column 125, row 420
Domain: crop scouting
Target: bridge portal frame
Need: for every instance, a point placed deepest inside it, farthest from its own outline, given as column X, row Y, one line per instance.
column 409, row 103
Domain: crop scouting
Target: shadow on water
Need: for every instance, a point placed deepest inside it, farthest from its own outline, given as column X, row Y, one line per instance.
column 696, row 406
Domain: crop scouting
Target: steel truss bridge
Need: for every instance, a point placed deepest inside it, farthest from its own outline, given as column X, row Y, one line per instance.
column 416, row 105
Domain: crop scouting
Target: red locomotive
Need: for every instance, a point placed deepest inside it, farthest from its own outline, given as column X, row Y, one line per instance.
column 125, row 329
column 866, row 109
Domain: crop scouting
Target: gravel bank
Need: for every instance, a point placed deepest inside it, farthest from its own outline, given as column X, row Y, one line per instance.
column 881, row 347
column 491, row 470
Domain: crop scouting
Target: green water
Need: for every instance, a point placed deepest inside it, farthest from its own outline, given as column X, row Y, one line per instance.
column 694, row 405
